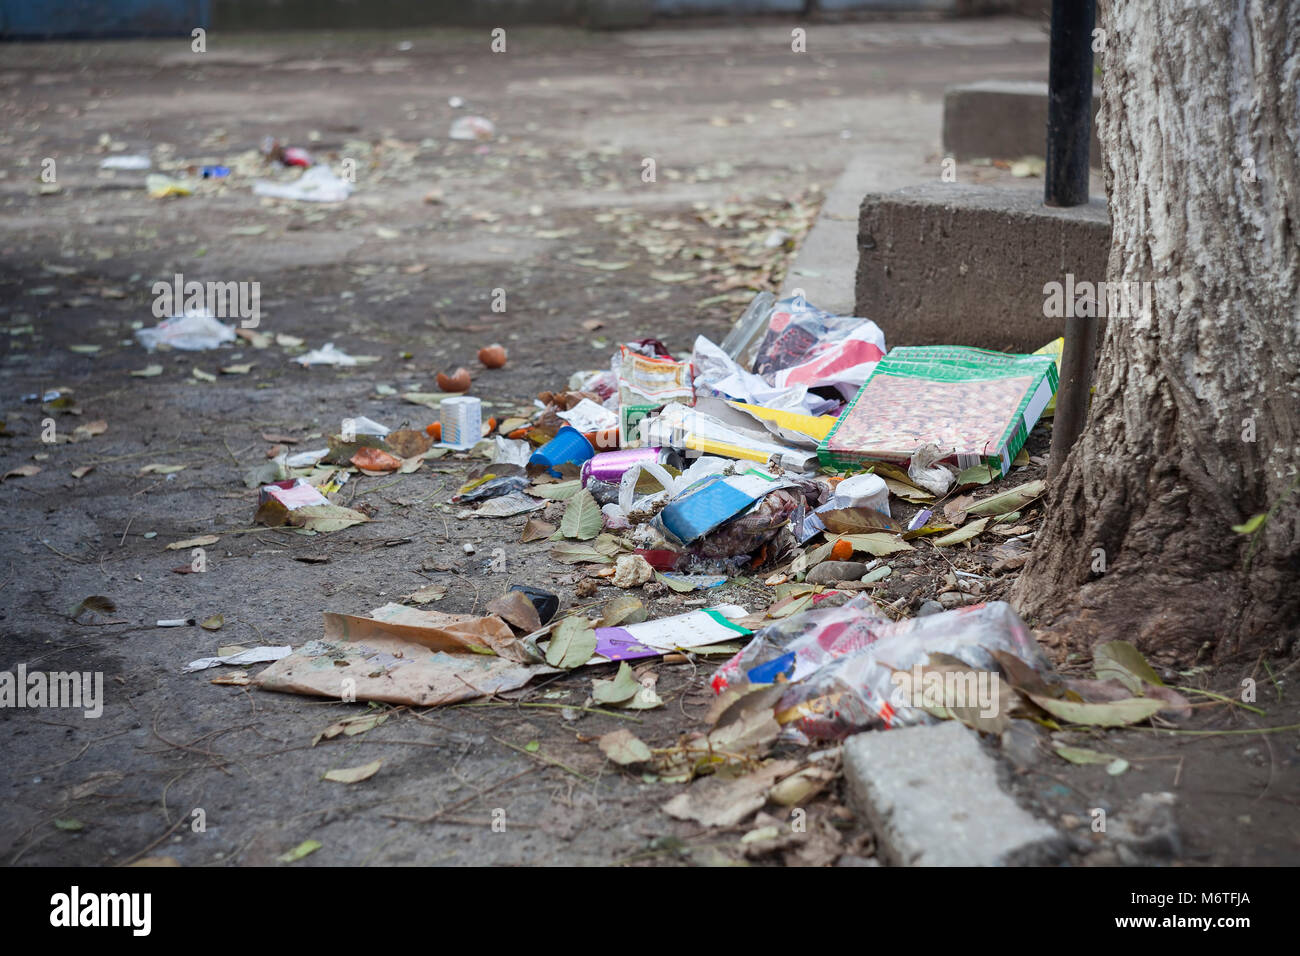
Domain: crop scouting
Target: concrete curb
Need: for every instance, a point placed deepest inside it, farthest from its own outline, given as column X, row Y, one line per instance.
column 932, row 796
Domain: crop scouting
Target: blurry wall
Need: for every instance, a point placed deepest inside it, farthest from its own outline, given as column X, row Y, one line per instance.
column 107, row 18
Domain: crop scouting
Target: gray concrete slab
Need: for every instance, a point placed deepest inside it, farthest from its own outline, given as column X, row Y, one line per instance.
column 932, row 796
column 946, row 263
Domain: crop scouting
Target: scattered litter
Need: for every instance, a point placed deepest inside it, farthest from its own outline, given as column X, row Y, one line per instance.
column 305, row 459
column 292, row 493
column 472, row 128
column 569, row 446
column 457, row 381
column 160, row 186
column 326, row 355
column 462, row 421
column 407, row 655
column 360, row 425
column 195, row 331
column 741, row 342
column 489, row 486
column 805, row 345
column 705, row 506
column 132, row 162
column 254, row 655
column 587, row 417
column 493, row 356
column 763, row 467
column 645, row 384
column 317, row 184
column 544, row 602
column 706, row 626
column 632, row 570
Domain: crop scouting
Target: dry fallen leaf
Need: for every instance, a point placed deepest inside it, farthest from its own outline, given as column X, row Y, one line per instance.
column 89, row 430
column 535, row 529
column 407, row 442
column 430, row 592
column 202, row 542
column 305, row 848
column 354, row 774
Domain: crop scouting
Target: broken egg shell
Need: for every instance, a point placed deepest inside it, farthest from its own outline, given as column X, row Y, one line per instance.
column 458, row 381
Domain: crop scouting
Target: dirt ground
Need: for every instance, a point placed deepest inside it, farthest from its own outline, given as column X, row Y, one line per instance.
column 555, row 212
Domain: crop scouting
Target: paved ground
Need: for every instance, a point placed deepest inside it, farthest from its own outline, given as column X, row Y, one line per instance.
column 745, row 136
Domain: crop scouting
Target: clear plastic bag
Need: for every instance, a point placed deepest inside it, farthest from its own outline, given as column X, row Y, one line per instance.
column 798, row 645
column 857, row 691
column 805, row 345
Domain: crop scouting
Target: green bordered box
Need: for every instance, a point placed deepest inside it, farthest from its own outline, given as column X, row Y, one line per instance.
column 978, row 403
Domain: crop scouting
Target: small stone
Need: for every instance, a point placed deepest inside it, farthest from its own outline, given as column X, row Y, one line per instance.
column 829, row 572
column 929, row 607
column 632, row 571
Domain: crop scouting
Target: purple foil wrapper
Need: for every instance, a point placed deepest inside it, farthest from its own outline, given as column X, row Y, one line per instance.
column 610, row 465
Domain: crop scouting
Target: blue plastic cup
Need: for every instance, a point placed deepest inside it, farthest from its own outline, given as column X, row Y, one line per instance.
column 568, row 445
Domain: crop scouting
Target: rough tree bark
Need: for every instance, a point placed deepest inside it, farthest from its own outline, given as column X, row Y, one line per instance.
column 1195, row 421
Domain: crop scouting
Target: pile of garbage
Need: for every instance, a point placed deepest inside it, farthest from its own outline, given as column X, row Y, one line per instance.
column 795, row 432
column 799, row 453
column 775, row 452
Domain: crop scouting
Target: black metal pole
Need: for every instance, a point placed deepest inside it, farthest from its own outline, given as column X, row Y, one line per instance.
column 1069, row 104
column 1069, row 132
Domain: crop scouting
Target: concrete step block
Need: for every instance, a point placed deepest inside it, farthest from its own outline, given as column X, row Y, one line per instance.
column 946, row 263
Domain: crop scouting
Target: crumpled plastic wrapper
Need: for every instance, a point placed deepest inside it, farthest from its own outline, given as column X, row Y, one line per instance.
column 927, row 472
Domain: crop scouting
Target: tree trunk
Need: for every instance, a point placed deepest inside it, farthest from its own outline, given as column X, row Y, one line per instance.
column 1195, row 421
